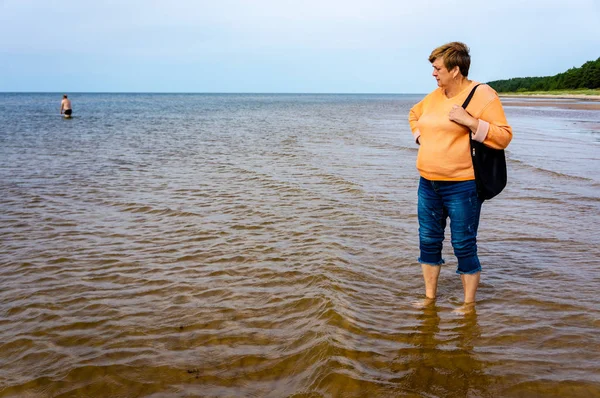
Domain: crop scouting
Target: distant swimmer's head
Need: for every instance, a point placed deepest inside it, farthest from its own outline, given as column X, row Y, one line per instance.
column 65, row 96
column 449, row 62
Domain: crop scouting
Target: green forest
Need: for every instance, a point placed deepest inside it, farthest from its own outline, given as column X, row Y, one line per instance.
column 585, row 77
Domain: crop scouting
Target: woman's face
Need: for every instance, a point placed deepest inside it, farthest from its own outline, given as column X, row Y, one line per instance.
column 443, row 76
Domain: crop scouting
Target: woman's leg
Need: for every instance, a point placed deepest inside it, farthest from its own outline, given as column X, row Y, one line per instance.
column 464, row 209
column 431, row 273
column 470, row 283
column 432, row 222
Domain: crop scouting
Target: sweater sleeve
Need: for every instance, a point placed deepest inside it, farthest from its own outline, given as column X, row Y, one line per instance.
column 413, row 119
column 493, row 130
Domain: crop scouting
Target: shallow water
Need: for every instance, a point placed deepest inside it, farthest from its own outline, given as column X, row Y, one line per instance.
column 264, row 245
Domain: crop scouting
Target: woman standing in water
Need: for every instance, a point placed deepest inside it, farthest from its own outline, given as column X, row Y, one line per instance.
column 447, row 188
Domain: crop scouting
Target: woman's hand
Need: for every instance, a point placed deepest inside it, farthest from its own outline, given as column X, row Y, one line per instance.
column 459, row 115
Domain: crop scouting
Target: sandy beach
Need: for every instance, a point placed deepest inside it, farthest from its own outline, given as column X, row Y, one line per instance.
column 578, row 102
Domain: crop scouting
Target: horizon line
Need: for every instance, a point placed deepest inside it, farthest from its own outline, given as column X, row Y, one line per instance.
column 205, row 92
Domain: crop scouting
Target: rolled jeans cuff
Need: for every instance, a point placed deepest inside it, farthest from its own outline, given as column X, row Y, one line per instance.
column 468, row 265
column 431, row 260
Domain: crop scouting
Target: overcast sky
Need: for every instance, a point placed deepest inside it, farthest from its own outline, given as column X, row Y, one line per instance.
column 315, row 46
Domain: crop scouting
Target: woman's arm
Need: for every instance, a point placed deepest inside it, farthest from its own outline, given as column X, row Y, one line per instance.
column 413, row 119
column 493, row 129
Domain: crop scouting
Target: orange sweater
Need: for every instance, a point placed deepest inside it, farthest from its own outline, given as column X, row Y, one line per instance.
column 444, row 151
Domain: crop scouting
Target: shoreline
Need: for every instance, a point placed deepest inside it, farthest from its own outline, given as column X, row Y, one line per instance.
column 561, row 101
column 593, row 98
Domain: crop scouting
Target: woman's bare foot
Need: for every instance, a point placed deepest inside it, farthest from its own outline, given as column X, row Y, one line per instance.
column 422, row 303
column 465, row 309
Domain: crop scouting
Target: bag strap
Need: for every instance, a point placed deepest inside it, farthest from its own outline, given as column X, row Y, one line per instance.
column 466, row 103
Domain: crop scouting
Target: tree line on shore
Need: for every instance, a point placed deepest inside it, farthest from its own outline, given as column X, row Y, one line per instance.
column 585, row 77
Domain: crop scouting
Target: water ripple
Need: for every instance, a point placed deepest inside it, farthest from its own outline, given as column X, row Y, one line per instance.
column 265, row 245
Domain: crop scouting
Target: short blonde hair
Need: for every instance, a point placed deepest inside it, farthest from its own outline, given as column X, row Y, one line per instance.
column 453, row 54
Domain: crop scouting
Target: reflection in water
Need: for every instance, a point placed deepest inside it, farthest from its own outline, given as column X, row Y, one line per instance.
column 443, row 362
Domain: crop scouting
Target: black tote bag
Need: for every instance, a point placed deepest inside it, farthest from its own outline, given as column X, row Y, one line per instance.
column 489, row 165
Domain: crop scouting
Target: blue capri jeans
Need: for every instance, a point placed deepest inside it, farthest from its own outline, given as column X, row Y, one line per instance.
column 458, row 200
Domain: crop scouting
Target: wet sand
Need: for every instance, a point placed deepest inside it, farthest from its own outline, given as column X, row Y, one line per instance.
column 575, row 102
